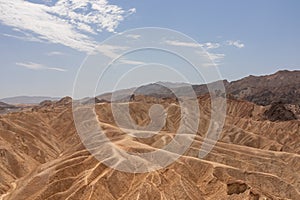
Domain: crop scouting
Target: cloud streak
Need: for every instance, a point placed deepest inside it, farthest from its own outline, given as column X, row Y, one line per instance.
column 208, row 46
column 235, row 43
column 55, row 53
column 37, row 66
column 182, row 44
column 114, row 52
column 133, row 36
column 71, row 23
column 215, row 57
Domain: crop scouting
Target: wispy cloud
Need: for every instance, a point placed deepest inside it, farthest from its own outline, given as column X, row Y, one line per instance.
column 110, row 51
column 133, row 36
column 114, row 52
column 216, row 57
column 182, row 44
column 207, row 45
column 211, row 45
column 36, row 66
column 132, row 62
column 235, row 43
column 24, row 36
column 55, row 53
column 68, row 22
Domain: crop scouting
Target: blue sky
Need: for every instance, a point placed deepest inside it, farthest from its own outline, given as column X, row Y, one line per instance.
column 44, row 42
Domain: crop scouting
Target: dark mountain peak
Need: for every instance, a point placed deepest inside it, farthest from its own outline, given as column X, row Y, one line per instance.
column 285, row 71
column 155, row 90
column 64, row 101
column 281, row 86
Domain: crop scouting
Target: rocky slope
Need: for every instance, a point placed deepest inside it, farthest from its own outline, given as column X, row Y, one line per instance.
column 4, row 107
column 283, row 86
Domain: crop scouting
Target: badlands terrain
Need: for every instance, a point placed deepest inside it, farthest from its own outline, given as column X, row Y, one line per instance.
column 257, row 155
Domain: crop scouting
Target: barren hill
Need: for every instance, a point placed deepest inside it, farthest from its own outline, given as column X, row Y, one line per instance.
column 42, row 157
column 283, row 86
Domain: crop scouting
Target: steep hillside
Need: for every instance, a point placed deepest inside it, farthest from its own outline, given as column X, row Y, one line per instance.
column 283, row 86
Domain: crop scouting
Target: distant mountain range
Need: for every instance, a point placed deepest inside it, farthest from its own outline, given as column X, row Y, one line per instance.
column 5, row 105
column 27, row 99
column 283, row 86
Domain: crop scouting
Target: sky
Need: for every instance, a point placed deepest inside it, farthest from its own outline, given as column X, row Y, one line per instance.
column 45, row 43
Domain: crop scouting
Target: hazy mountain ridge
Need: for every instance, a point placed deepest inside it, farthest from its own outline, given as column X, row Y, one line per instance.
column 282, row 86
column 27, row 99
column 5, row 105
